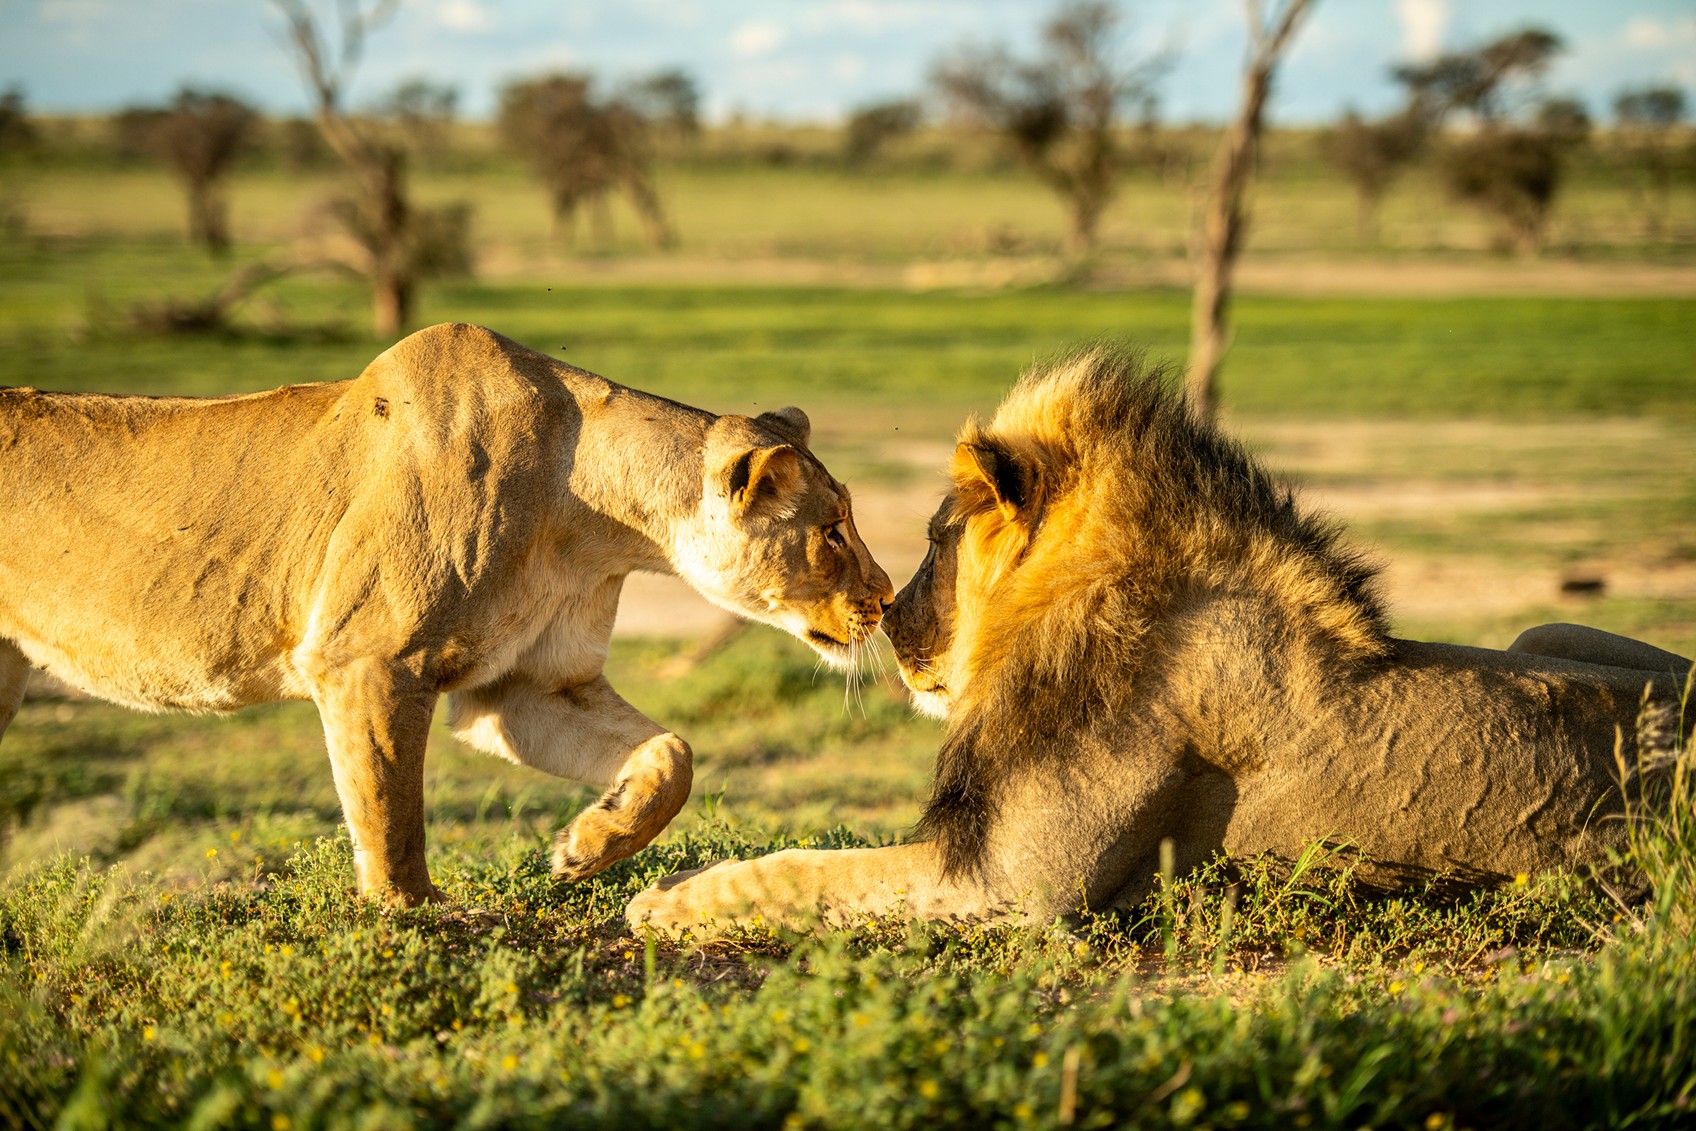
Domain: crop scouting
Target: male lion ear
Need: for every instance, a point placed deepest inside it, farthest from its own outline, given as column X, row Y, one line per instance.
column 790, row 422
column 1009, row 479
column 758, row 477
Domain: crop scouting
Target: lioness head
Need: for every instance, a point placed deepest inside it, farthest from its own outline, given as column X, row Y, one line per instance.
column 774, row 537
column 976, row 536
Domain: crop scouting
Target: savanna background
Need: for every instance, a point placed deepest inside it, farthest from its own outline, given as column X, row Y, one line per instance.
column 1464, row 322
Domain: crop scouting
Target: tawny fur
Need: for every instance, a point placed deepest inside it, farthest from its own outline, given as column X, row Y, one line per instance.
column 1136, row 635
column 457, row 519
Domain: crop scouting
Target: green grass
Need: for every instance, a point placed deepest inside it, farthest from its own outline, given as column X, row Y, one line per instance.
column 893, row 356
column 242, row 984
column 1241, row 996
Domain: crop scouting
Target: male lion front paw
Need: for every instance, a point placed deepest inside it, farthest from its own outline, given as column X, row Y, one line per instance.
column 667, row 906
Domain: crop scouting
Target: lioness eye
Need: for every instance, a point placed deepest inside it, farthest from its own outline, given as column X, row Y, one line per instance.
column 836, row 535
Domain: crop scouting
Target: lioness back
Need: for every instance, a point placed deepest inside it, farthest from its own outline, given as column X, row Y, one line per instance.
column 117, row 500
column 183, row 536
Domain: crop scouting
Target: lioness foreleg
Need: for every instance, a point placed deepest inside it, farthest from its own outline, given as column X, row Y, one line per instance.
column 585, row 732
column 802, row 889
column 14, row 677
column 376, row 725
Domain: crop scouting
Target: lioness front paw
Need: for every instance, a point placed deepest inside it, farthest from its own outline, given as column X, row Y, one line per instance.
column 653, row 787
column 594, row 840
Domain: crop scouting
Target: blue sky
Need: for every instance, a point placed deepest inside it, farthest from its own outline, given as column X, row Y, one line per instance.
column 802, row 59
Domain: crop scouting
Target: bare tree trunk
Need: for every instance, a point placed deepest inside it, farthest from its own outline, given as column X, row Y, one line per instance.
column 392, row 276
column 391, row 305
column 1086, row 217
column 1226, row 217
column 379, row 170
column 564, row 227
column 208, row 224
column 647, row 204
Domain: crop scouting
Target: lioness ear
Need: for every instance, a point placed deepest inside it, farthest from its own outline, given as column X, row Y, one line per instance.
column 1010, row 480
column 759, row 477
column 790, row 422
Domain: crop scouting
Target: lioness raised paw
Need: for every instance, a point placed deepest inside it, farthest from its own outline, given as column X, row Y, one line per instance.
column 650, row 790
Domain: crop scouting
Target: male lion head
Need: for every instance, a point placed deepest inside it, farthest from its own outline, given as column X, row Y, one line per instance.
column 1094, row 504
column 774, row 539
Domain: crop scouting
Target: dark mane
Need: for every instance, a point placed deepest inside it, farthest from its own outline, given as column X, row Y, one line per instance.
column 1162, row 510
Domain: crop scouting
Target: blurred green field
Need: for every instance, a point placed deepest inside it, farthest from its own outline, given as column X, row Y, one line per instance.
column 932, row 204
column 177, row 944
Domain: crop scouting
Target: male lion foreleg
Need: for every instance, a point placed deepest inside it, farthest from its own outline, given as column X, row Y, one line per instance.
column 1593, row 646
column 376, row 725
column 803, row 889
column 14, row 677
column 587, row 733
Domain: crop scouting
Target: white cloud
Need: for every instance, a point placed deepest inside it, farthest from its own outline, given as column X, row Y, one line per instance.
column 1648, row 33
column 756, row 38
column 1424, row 23
column 464, row 15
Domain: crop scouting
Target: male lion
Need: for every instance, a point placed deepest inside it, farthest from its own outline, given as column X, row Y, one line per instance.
column 459, row 518
column 1136, row 635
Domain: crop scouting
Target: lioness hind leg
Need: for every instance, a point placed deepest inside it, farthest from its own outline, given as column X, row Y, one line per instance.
column 376, row 728
column 1593, row 646
column 14, row 677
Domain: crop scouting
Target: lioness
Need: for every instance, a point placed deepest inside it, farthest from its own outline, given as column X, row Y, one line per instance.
column 1135, row 634
column 458, row 518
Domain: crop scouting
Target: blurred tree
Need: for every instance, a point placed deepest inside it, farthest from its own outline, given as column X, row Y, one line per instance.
column 402, row 245
column 423, row 111
column 198, row 136
column 18, row 136
column 1647, row 118
column 1058, row 111
column 872, row 125
column 17, row 133
column 1510, row 172
column 670, row 101
column 1512, row 163
column 1490, row 82
column 301, row 144
column 1370, row 155
column 583, row 148
column 1225, row 218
